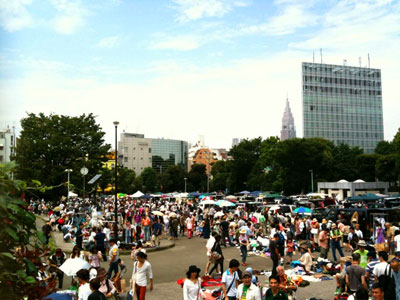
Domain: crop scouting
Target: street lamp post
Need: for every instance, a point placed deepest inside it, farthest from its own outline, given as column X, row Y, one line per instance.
column 185, row 183
column 68, row 171
column 312, row 180
column 116, row 123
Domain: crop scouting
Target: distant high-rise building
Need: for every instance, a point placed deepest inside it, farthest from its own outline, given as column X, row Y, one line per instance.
column 343, row 104
column 137, row 153
column 7, row 144
column 288, row 129
column 236, row 141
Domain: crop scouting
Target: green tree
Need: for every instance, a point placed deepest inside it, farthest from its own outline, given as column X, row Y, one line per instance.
column 149, row 180
column 220, row 174
column 50, row 144
column 384, row 148
column 296, row 157
column 197, row 177
column 245, row 156
column 386, row 168
column 345, row 165
column 366, row 166
column 21, row 245
column 126, row 179
column 173, row 179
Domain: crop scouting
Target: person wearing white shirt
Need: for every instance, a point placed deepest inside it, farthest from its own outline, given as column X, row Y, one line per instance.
column 84, row 285
column 247, row 290
column 230, row 280
column 397, row 242
column 192, row 285
column 142, row 270
column 381, row 267
column 359, row 232
column 209, row 246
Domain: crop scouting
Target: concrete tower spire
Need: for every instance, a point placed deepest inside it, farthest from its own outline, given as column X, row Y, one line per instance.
column 288, row 129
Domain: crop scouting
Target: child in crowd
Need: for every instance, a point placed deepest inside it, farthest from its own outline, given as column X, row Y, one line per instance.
column 290, row 247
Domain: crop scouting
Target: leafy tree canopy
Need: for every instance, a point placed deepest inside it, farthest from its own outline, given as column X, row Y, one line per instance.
column 48, row 145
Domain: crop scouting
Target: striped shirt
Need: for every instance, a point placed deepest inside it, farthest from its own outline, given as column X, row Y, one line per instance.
column 370, row 269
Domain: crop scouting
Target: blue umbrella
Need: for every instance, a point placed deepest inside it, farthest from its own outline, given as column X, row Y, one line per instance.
column 244, row 192
column 224, row 203
column 302, row 210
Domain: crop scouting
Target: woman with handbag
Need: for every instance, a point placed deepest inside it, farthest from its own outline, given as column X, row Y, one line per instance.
column 192, row 285
column 218, row 257
column 106, row 285
column 141, row 270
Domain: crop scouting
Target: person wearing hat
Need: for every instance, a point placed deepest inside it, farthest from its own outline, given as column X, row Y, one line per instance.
column 363, row 253
column 192, row 285
column 55, row 261
column 243, row 242
column 336, row 237
column 106, row 285
column 247, row 290
column 43, row 276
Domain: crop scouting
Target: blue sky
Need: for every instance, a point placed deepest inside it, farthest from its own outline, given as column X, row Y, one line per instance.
column 183, row 68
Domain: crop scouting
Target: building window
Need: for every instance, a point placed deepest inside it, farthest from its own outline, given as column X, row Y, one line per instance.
column 125, row 159
column 149, row 150
column 1, row 158
column 1, row 147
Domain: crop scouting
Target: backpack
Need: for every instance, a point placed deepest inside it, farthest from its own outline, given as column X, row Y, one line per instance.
column 388, row 283
column 281, row 240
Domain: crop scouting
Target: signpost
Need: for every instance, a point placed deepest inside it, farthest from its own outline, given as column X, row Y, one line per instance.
column 84, row 172
column 92, row 181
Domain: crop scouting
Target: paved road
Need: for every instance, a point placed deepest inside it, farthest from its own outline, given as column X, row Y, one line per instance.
column 171, row 264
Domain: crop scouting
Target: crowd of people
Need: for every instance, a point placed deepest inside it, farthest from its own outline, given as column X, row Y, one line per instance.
column 365, row 270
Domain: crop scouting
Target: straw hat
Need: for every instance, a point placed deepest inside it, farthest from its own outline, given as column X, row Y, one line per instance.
column 362, row 243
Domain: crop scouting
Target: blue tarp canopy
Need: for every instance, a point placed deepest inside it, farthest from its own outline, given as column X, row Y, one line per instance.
column 256, row 193
column 364, row 197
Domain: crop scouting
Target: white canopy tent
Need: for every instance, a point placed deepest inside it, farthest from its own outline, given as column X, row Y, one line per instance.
column 138, row 194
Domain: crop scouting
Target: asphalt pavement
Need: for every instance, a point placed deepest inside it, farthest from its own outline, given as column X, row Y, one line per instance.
column 171, row 264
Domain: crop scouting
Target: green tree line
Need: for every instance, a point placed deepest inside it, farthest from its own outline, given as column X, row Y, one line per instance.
column 48, row 145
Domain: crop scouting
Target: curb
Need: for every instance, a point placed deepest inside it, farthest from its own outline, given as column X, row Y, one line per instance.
column 122, row 252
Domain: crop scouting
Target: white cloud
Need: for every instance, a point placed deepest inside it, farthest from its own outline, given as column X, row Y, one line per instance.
column 70, row 17
column 364, row 26
column 179, row 43
column 14, row 14
column 293, row 17
column 109, row 42
column 191, row 10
